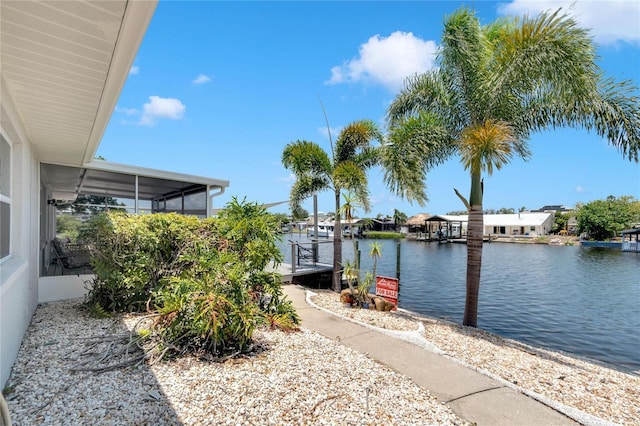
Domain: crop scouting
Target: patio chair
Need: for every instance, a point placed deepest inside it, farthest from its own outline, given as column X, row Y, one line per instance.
column 70, row 256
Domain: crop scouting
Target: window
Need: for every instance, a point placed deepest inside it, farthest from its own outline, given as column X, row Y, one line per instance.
column 5, row 197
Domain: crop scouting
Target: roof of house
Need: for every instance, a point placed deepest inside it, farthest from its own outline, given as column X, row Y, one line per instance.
column 521, row 219
column 64, row 65
column 449, row 218
column 417, row 219
column 517, row 219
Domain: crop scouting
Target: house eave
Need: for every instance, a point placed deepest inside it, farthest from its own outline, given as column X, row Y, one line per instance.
column 134, row 26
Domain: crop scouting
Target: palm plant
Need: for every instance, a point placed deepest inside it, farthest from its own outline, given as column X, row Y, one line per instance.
column 375, row 251
column 348, row 208
column 494, row 86
column 399, row 218
column 350, row 274
column 344, row 168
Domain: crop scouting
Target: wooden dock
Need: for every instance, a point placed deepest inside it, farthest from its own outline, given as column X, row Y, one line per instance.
column 302, row 272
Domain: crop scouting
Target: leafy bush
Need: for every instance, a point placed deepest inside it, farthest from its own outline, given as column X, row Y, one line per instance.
column 68, row 226
column 602, row 220
column 205, row 277
column 384, row 235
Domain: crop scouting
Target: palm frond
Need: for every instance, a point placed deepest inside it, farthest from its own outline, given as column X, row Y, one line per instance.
column 305, row 186
column 348, row 175
column 304, row 157
column 355, row 137
column 464, row 59
column 489, row 145
column 548, row 53
column 416, row 145
column 421, row 92
column 616, row 116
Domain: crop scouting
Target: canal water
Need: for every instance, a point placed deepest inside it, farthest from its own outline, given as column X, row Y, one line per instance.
column 580, row 300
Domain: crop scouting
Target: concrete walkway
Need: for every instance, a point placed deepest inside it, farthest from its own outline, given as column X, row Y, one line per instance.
column 471, row 395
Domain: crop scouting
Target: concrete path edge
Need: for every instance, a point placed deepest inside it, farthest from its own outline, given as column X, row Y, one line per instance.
column 415, row 337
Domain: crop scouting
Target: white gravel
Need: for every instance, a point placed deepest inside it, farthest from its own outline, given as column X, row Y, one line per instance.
column 300, row 379
column 555, row 377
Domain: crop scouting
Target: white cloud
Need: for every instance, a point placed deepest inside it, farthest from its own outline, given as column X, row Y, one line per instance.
column 335, row 131
column 201, row 79
column 134, row 70
column 580, row 188
column 127, row 111
column 610, row 21
column 387, row 60
column 288, row 179
column 158, row 107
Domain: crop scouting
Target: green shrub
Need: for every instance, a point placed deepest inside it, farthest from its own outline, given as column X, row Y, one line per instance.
column 205, row 277
column 383, row 235
column 68, row 226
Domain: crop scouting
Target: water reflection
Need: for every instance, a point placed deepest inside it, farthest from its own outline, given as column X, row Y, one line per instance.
column 576, row 299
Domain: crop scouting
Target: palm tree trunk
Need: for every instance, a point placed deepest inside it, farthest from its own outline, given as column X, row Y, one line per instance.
column 474, row 252
column 337, row 247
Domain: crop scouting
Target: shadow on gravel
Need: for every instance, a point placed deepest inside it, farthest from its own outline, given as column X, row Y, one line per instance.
column 67, row 372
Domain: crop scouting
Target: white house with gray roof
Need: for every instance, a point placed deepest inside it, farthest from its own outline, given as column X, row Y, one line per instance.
column 527, row 224
column 531, row 224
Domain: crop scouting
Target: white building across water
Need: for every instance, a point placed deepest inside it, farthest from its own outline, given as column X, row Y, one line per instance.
column 455, row 226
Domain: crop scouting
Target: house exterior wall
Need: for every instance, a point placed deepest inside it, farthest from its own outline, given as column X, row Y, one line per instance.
column 19, row 270
column 533, row 226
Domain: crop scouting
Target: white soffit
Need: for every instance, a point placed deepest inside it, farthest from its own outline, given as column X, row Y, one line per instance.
column 64, row 64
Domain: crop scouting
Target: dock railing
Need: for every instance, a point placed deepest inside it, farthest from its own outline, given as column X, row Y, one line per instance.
column 306, row 253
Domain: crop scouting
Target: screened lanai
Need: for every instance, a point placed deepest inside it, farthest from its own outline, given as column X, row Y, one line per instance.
column 134, row 189
column 141, row 190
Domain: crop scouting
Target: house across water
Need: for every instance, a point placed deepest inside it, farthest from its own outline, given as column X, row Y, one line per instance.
column 438, row 227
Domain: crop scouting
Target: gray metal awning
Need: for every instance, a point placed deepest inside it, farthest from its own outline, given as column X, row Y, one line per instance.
column 116, row 180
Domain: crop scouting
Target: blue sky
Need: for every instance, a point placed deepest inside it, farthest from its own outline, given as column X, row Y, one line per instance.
column 219, row 88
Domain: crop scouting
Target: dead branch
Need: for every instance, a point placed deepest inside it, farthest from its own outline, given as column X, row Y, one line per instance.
column 323, row 400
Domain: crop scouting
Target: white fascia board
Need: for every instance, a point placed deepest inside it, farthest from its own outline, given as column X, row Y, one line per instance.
column 135, row 22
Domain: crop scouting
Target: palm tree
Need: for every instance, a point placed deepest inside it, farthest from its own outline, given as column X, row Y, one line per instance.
column 399, row 218
column 494, row 86
column 344, row 168
column 375, row 251
column 348, row 208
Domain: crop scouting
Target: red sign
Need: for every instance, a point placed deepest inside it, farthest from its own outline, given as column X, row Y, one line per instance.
column 387, row 288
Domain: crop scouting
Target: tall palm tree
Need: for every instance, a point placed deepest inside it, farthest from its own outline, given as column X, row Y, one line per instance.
column 493, row 87
column 344, row 168
column 399, row 218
